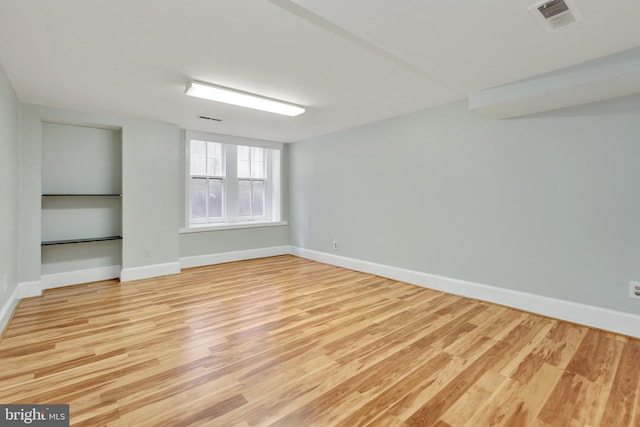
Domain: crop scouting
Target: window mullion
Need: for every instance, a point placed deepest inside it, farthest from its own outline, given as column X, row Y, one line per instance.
column 231, row 182
column 251, row 215
column 206, row 171
column 206, row 201
column 251, row 210
column 269, row 186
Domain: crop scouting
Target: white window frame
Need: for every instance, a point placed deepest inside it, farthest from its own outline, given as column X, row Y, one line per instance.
column 273, row 183
column 208, row 219
column 251, row 179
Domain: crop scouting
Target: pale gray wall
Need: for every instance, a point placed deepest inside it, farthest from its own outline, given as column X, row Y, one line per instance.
column 9, row 179
column 70, row 151
column 213, row 242
column 547, row 204
column 151, row 193
column 150, row 187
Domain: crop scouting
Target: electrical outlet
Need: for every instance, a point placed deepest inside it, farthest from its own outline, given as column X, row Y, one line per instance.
column 147, row 252
column 335, row 245
column 634, row 290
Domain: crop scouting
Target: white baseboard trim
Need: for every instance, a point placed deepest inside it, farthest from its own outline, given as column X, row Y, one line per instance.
column 210, row 259
column 56, row 280
column 596, row 317
column 29, row 289
column 149, row 271
column 22, row 290
column 6, row 311
column 50, row 281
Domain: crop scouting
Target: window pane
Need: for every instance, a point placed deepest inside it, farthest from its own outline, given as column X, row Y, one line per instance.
column 198, row 197
column 198, row 157
column 243, row 162
column 244, row 198
column 243, row 152
column 257, row 162
column 257, row 198
column 214, row 159
column 215, row 198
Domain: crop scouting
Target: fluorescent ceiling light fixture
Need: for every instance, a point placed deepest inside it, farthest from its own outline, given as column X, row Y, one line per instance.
column 243, row 99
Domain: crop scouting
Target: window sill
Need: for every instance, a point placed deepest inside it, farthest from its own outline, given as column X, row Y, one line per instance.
column 230, row 226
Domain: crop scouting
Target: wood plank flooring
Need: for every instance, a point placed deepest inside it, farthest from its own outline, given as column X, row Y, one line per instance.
column 285, row 341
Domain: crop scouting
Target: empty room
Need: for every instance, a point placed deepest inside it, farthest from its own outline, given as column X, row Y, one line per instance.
column 319, row 213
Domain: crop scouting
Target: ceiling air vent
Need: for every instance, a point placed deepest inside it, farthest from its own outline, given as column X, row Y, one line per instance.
column 555, row 14
column 209, row 118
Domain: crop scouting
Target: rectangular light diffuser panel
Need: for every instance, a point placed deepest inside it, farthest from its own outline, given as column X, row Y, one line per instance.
column 242, row 99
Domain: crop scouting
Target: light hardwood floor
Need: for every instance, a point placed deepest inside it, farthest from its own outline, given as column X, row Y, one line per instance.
column 290, row 342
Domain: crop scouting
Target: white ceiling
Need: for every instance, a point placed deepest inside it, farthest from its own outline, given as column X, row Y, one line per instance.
column 348, row 61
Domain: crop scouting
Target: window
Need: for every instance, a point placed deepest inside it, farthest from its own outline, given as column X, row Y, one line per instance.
column 231, row 182
column 206, row 181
